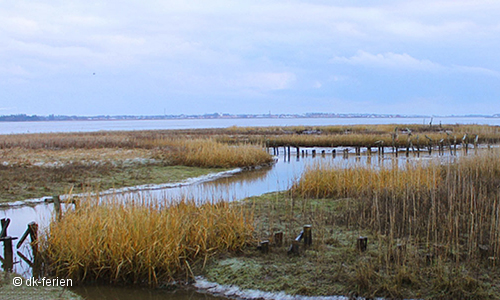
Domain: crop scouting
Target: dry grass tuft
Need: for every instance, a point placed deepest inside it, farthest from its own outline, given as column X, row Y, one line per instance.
column 142, row 243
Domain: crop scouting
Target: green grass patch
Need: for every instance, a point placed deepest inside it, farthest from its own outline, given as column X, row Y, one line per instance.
column 25, row 182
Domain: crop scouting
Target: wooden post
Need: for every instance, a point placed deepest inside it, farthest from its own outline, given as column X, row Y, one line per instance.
column 264, row 246
column 465, row 144
column 298, row 152
column 455, row 144
column 5, row 223
column 346, row 153
column 8, row 261
column 362, row 243
column 57, row 207
column 295, row 247
column 307, row 235
column 278, row 239
column 476, row 139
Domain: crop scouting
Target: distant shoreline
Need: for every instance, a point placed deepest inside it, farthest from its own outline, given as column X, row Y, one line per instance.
column 218, row 116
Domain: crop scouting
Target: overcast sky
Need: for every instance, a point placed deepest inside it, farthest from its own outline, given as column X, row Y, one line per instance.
column 89, row 57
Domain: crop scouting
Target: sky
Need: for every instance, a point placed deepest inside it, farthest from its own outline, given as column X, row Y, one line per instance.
column 86, row 57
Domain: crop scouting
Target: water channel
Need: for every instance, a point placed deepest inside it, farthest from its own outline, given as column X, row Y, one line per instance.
column 232, row 185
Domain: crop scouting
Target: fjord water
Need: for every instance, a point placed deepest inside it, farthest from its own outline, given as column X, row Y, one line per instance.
column 126, row 125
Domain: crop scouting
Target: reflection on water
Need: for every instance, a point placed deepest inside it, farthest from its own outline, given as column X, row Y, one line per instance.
column 131, row 293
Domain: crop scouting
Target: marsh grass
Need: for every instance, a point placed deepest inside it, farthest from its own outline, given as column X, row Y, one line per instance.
column 142, row 243
column 211, row 153
column 455, row 205
column 306, row 136
column 432, row 228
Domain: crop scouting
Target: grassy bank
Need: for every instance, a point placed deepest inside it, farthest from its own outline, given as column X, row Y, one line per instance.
column 433, row 232
column 142, row 243
column 26, row 182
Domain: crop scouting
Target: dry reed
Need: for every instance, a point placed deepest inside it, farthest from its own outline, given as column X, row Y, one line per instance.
column 142, row 243
column 454, row 205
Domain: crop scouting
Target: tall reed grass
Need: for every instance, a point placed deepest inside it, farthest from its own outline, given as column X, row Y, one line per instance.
column 142, row 243
column 454, row 205
column 211, row 153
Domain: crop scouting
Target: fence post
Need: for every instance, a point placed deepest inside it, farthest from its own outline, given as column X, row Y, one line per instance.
column 362, row 243
column 278, row 239
column 307, row 235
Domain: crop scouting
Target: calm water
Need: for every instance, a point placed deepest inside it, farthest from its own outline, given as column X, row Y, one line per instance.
column 80, row 126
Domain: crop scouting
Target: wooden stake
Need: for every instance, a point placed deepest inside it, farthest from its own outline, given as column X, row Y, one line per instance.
column 307, row 235
column 278, row 239
column 362, row 243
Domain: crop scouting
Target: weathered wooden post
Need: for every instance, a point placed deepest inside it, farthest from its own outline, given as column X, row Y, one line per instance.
column 295, row 247
column 476, row 139
column 380, row 147
column 8, row 255
column 57, row 207
column 455, row 144
column 441, row 147
column 465, row 144
column 362, row 243
column 429, row 144
column 307, row 235
column 264, row 246
column 278, row 239
column 5, row 223
column 32, row 231
column 298, row 151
